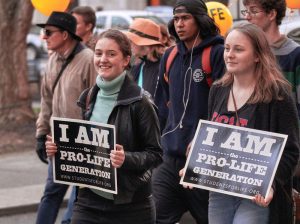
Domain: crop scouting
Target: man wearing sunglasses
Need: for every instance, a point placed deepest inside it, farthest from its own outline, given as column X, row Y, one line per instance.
column 69, row 71
column 268, row 14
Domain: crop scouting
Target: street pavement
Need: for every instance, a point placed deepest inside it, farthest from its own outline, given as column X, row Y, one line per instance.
column 27, row 218
column 23, row 177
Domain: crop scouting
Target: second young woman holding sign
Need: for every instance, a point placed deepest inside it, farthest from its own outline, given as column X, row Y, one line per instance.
column 253, row 93
column 117, row 100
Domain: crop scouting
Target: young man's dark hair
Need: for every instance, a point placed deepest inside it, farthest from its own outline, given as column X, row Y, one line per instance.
column 184, row 88
column 199, row 11
column 268, row 5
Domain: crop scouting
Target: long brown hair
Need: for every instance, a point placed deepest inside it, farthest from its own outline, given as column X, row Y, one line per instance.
column 270, row 82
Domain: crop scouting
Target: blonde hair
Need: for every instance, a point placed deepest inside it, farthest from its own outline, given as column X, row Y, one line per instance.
column 270, row 82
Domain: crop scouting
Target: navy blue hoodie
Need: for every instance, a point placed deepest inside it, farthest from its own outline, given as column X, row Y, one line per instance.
column 186, row 93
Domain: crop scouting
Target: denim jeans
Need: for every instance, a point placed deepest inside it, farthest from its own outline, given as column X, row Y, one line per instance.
column 51, row 200
column 227, row 209
column 69, row 211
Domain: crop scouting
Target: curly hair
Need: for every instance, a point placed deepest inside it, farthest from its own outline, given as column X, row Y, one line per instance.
column 268, row 5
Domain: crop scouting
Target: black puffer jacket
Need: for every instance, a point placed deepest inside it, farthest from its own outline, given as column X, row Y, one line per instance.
column 137, row 129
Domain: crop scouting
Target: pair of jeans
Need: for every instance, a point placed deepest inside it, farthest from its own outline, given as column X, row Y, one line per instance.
column 227, row 209
column 94, row 209
column 51, row 199
column 69, row 211
column 171, row 199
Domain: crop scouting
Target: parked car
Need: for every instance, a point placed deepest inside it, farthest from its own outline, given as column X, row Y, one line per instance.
column 163, row 11
column 36, row 47
column 291, row 27
column 121, row 19
column 36, row 55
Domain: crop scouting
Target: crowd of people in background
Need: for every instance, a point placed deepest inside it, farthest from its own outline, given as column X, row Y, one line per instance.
column 156, row 82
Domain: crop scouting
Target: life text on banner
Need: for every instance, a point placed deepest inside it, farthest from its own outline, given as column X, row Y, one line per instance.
column 83, row 156
column 233, row 160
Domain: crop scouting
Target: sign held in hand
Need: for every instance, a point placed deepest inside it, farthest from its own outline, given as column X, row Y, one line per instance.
column 83, row 156
column 233, row 160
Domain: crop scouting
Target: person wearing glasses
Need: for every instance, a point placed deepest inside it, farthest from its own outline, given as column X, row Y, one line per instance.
column 268, row 14
column 254, row 90
column 69, row 71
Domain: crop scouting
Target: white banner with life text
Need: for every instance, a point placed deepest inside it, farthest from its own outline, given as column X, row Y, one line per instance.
column 83, row 156
column 233, row 160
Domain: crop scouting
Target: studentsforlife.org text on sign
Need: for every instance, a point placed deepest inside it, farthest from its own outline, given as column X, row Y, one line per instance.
column 83, row 156
column 233, row 160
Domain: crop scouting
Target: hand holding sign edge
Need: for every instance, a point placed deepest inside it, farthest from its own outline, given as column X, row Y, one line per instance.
column 264, row 202
column 51, row 147
column 117, row 156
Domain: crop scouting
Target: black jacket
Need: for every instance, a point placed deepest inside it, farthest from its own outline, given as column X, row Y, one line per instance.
column 150, row 75
column 137, row 129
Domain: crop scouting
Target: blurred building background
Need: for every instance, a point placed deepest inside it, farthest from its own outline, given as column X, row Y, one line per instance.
column 234, row 6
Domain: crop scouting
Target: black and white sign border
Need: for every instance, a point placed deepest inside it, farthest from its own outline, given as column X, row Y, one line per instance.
column 115, row 191
column 282, row 136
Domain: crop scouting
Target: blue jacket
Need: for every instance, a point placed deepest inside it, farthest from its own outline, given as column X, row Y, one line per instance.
column 186, row 93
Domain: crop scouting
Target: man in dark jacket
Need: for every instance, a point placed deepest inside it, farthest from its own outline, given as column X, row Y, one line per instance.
column 185, row 88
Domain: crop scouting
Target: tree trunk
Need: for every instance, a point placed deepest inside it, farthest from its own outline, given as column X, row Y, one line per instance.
column 15, row 100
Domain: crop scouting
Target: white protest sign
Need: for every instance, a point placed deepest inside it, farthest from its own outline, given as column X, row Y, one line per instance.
column 233, row 160
column 83, row 156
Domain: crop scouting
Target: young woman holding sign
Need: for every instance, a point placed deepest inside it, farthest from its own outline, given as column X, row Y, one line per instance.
column 117, row 100
column 253, row 93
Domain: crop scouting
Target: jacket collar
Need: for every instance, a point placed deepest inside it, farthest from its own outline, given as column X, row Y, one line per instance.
column 129, row 92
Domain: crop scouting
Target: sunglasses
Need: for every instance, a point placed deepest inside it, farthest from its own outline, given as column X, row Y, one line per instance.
column 48, row 33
